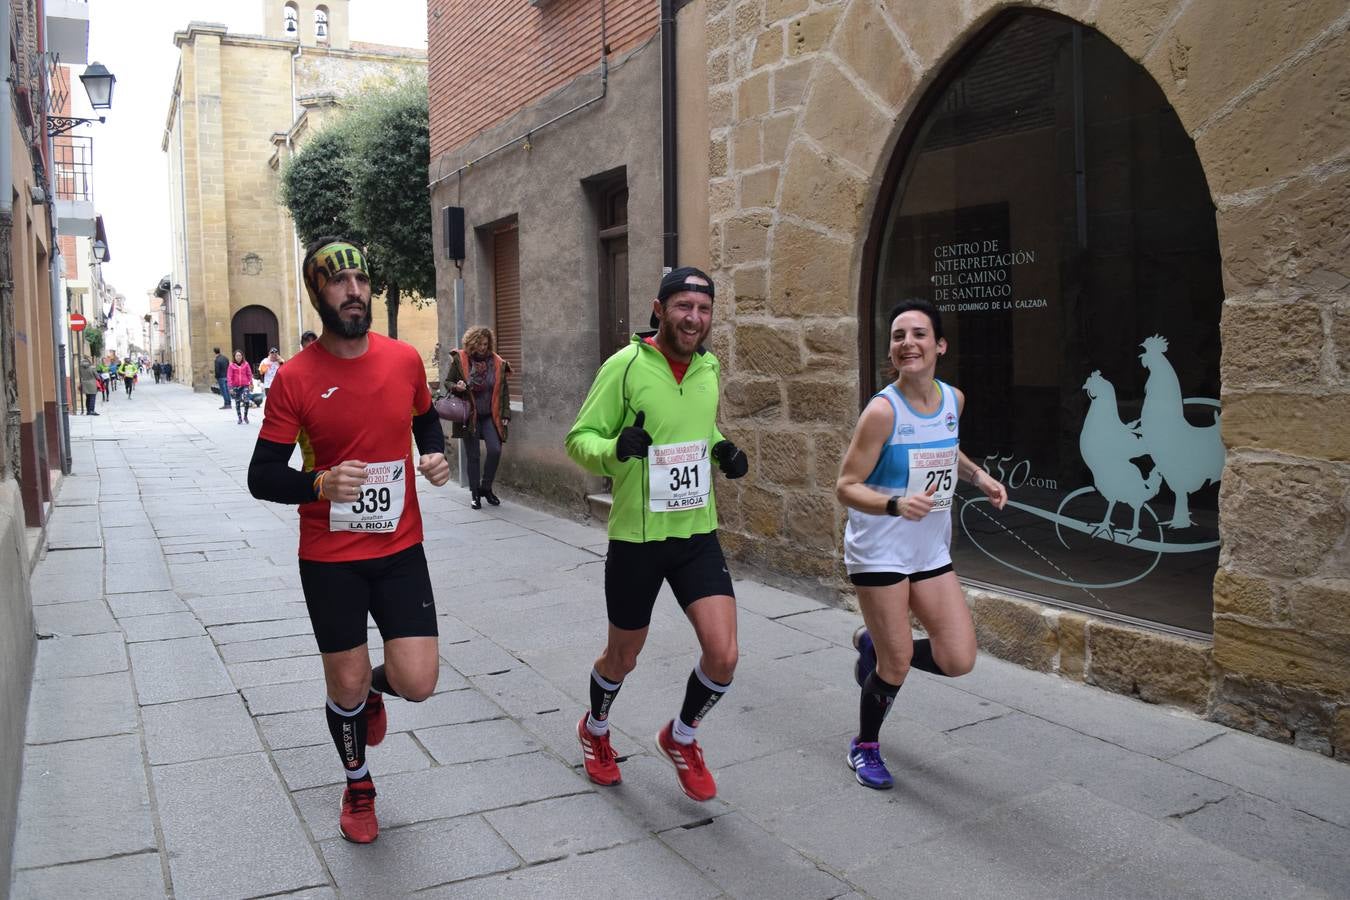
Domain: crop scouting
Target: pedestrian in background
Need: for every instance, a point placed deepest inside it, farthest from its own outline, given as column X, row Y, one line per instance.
column 240, row 377
column 477, row 372
column 307, row 338
column 268, row 368
column 104, row 375
column 129, row 371
column 88, row 385
column 222, row 377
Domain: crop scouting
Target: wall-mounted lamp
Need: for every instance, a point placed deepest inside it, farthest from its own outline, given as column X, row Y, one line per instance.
column 98, row 85
column 100, row 250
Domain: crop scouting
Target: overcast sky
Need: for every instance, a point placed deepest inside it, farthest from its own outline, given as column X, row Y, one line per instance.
column 134, row 39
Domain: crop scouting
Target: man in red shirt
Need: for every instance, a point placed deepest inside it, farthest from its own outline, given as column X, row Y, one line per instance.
column 350, row 400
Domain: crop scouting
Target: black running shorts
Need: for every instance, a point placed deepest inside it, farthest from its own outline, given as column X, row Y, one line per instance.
column 395, row 590
column 886, row 579
column 694, row 566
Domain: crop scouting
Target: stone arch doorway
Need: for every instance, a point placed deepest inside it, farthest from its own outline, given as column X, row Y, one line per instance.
column 254, row 330
column 1045, row 197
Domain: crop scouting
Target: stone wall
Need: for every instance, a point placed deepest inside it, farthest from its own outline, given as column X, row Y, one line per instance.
column 806, row 101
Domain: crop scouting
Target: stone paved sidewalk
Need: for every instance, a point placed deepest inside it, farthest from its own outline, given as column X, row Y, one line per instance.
column 176, row 744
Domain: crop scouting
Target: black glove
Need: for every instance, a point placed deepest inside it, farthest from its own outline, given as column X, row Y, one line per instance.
column 730, row 459
column 633, row 441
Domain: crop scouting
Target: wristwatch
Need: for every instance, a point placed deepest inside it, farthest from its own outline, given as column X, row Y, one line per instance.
column 893, row 506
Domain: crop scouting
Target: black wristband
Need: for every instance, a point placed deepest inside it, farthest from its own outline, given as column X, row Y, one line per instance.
column 893, row 506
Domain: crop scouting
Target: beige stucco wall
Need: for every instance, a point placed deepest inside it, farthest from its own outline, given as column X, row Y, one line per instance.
column 235, row 95
column 806, row 101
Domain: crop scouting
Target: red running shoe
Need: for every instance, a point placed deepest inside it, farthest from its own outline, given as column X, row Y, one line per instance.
column 602, row 766
column 357, row 822
column 377, row 719
column 695, row 779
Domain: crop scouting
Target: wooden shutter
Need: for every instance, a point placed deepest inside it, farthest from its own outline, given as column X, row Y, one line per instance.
column 506, row 303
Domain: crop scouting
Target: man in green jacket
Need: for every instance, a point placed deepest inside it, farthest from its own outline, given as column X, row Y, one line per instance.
column 650, row 424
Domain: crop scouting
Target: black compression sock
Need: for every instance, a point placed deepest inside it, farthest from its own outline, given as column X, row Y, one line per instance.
column 701, row 694
column 380, row 682
column 348, row 728
column 603, row 692
column 923, row 658
column 877, row 698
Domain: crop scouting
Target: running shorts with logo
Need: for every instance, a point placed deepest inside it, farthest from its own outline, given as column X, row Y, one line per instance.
column 694, row 566
column 921, row 453
column 395, row 590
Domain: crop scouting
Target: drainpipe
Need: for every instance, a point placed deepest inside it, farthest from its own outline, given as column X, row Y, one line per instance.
column 670, row 251
column 6, row 105
column 55, row 262
column 11, row 412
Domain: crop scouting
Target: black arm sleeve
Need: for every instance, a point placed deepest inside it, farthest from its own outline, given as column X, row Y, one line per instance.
column 426, row 430
column 270, row 476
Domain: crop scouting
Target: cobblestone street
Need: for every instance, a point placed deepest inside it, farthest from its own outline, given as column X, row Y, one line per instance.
column 176, row 743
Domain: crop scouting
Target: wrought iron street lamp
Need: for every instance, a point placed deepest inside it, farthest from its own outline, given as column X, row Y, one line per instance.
column 98, row 84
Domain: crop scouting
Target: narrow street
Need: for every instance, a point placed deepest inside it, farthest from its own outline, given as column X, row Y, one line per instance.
column 176, row 744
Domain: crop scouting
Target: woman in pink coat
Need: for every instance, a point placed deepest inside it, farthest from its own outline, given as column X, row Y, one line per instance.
column 239, row 377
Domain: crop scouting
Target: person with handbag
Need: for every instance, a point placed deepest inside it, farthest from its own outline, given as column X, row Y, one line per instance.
column 478, row 375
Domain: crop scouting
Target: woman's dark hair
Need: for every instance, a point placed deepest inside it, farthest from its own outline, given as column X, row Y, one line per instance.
column 918, row 305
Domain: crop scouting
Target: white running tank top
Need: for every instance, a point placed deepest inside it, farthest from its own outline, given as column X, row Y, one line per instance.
column 921, row 453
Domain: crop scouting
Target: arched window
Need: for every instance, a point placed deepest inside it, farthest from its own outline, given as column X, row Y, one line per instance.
column 321, row 24
column 1048, row 201
column 291, row 12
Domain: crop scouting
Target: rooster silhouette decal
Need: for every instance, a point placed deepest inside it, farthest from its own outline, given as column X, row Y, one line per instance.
column 1188, row 457
column 1108, row 445
column 1181, row 455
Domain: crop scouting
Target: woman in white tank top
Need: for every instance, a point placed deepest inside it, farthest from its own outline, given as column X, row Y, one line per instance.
column 898, row 481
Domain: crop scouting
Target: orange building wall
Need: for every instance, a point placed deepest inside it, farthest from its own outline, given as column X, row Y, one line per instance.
column 487, row 59
column 72, row 267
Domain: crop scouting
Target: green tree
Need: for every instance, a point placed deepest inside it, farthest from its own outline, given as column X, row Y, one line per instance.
column 93, row 336
column 365, row 175
column 316, row 186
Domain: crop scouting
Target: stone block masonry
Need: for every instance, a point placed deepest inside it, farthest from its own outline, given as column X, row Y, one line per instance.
column 806, row 100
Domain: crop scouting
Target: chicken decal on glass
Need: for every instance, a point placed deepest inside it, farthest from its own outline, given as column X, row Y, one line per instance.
column 1188, row 457
column 1108, row 445
column 1130, row 463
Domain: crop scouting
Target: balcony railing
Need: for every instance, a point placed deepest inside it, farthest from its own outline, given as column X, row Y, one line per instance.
column 73, row 167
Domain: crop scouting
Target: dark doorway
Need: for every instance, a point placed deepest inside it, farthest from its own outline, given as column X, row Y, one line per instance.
column 254, row 330
column 609, row 198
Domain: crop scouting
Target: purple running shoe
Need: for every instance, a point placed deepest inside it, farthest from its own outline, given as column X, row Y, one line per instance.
column 868, row 766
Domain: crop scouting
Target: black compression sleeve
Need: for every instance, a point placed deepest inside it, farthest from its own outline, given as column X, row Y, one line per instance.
column 426, row 430
column 270, row 476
